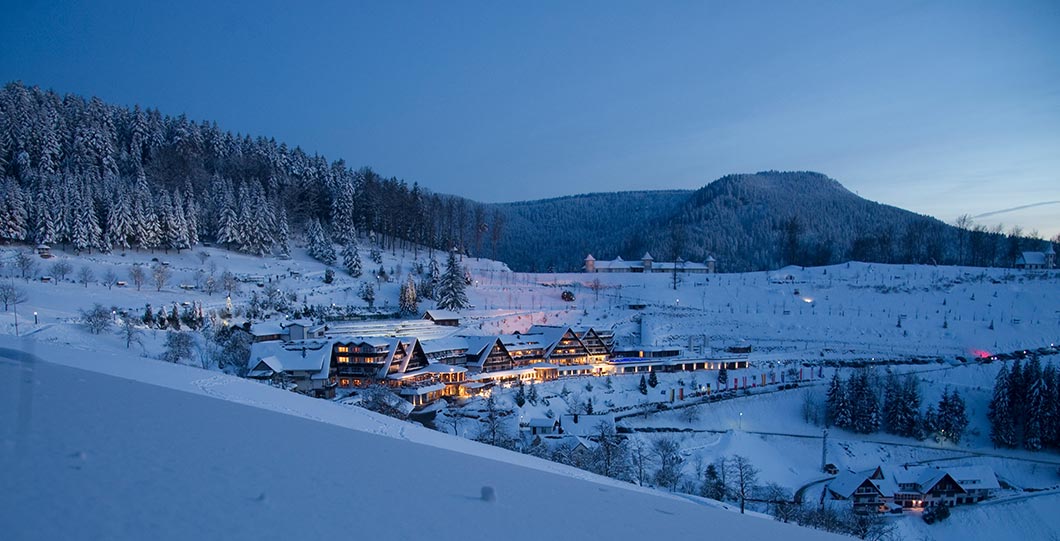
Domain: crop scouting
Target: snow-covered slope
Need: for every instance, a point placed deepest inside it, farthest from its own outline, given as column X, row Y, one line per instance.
column 171, row 452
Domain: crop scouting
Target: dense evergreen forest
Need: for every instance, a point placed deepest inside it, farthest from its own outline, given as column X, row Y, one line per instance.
column 92, row 176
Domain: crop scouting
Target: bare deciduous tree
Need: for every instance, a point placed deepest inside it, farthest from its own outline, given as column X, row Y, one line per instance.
column 138, row 276
column 11, row 295
column 25, row 263
column 161, row 275
column 85, row 275
column 61, row 269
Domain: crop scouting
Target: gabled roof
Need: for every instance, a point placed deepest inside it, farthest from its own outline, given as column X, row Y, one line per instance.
column 541, row 422
column 313, row 356
column 586, row 425
column 265, row 367
column 449, row 343
column 440, row 315
column 647, row 257
column 846, row 483
column 1031, row 258
column 975, row 477
column 590, row 258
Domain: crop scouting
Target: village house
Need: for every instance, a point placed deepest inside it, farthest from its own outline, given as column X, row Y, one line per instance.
column 892, row 489
column 306, row 364
column 1037, row 260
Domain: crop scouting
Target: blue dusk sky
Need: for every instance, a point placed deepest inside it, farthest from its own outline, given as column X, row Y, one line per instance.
column 943, row 108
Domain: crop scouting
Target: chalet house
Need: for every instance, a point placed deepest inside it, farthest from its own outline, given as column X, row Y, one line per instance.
column 444, row 318
column 868, row 491
column 888, row 489
column 304, row 363
column 648, row 264
column 1037, row 260
column 542, row 426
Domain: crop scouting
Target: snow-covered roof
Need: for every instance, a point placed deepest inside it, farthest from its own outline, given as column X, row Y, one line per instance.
column 266, row 328
column 449, row 343
column 847, row 482
column 265, row 367
column 975, row 477
column 437, row 315
column 585, row 425
column 647, row 257
column 1049, row 250
column 541, row 422
column 520, row 342
column 590, row 258
column 710, row 259
column 1031, row 258
column 422, row 390
column 313, row 356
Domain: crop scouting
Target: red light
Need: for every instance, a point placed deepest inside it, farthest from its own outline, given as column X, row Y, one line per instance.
column 980, row 353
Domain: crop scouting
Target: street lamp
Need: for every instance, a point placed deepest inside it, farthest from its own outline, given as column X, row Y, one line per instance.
column 34, row 318
column 741, row 420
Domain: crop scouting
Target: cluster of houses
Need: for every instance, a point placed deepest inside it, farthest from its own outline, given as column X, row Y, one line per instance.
column 648, row 264
column 424, row 360
column 890, row 490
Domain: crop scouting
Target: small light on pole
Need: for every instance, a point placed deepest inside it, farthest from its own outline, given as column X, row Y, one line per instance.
column 34, row 318
column 741, row 420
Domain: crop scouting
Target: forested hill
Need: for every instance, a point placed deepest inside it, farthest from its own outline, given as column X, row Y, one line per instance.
column 93, row 176
column 747, row 222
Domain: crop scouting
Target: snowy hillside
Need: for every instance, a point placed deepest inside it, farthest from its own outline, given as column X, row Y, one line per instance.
column 170, row 452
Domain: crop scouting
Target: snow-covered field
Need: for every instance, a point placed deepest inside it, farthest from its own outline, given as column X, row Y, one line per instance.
column 87, row 432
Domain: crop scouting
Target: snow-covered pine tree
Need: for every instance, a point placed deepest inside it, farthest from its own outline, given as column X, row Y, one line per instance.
column 120, row 226
column 164, row 211
column 227, row 218
column 86, row 231
column 1000, row 414
column 1034, row 426
column 864, row 407
column 351, row 259
column 14, row 223
column 837, row 407
column 325, row 248
column 191, row 217
column 408, row 302
column 908, row 414
column 1049, row 401
column 451, row 294
column 283, row 234
column 44, row 221
column 367, row 293
column 892, row 397
column 178, row 229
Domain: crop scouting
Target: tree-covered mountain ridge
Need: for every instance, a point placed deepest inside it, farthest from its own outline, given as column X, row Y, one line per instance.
column 93, row 176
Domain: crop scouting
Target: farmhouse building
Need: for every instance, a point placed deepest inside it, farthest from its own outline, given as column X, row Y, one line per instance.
column 1037, row 260
column 888, row 489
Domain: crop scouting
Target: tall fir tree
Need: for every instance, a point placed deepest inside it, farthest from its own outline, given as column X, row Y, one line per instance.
column 451, row 291
column 283, row 234
column 1000, row 413
column 837, row 407
column 351, row 259
column 408, row 302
